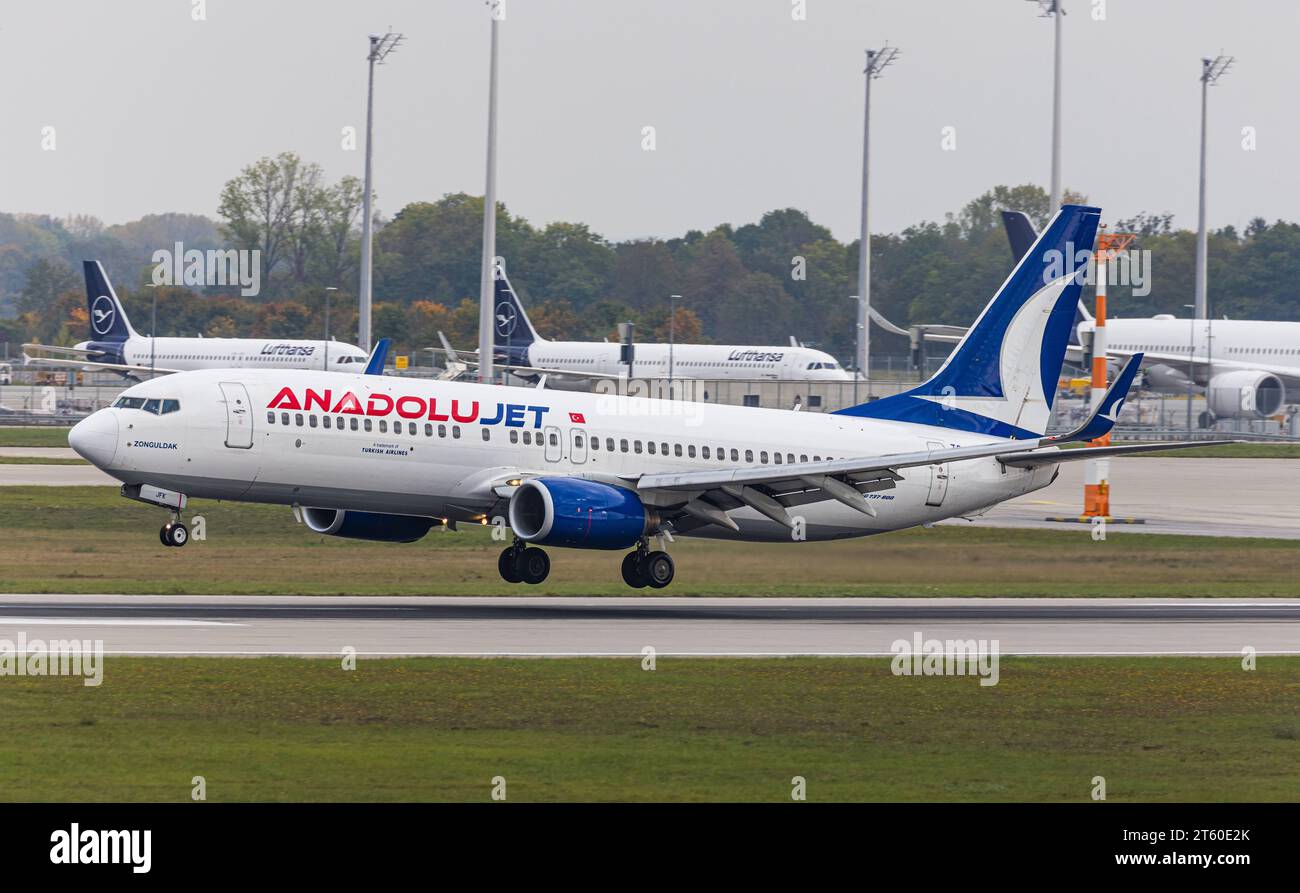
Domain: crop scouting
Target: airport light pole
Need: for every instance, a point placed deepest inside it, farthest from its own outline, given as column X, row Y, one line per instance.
column 857, row 347
column 1191, row 362
column 1211, row 71
column 380, row 46
column 1054, row 9
column 877, row 62
column 153, row 327
column 328, row 289
column 487, row 283
column 672, row 338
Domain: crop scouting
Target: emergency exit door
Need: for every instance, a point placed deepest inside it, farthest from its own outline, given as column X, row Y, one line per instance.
column 239, row 416
column 938, row 479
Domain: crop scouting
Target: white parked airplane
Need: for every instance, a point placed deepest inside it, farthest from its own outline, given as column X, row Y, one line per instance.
column 575, row 364
column 379, row 458
column 1245, row 367
column 115, row 346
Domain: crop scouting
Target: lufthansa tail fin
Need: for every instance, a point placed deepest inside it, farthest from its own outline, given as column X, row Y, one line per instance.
column 108, row 320
column 513, row 330
column 1002, row 377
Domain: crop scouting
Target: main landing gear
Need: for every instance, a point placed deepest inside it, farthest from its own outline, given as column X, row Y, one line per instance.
column 520, row 564
column 174, row 532
column 644, row 568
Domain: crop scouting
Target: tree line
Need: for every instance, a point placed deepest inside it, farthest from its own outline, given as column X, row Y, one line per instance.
column 756, row 283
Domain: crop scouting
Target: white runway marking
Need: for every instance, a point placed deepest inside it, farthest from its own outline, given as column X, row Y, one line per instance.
column 99, row 621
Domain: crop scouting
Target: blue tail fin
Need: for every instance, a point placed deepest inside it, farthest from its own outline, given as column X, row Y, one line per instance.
column 108, row 320
column 1002, row 377
column 1020, row 233
column 378, row 356
column 513, row 330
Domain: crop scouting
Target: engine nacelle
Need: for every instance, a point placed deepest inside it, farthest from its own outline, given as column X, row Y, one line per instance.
column 1245, row 395
column 577, row 513
column 1167, row 379
column 374, row 526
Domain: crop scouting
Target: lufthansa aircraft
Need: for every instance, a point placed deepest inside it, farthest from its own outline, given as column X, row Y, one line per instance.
column 575, row 364
column 379, row 458
column 116, row 347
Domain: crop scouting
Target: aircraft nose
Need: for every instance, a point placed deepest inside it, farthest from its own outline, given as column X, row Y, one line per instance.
column 95, row 438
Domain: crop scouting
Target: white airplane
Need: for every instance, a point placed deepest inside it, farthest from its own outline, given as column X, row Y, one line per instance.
column 116, row 347
column 573, row 365
column 380, row 458
column 1245, row 367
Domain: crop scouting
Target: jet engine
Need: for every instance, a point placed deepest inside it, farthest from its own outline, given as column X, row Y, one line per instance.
column 367, row 525
column 1245, row 395
column 578, row 513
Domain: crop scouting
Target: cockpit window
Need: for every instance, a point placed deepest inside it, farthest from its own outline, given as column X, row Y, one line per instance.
column 157, row 406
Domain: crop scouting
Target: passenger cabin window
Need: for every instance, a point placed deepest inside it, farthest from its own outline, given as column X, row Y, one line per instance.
column 487, row 433
column 270, row 417
column 284, row 418
column 297, row 419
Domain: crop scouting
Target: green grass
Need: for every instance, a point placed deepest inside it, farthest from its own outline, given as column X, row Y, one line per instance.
column 89, row 539
column 1164, row 729
column 40, row 460
column 34, row 436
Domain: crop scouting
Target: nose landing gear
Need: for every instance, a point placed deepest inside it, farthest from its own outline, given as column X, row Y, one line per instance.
column 520, row 564
column 174, row 533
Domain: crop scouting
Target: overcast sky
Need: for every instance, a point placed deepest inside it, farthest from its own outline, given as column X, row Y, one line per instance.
column 753, row 110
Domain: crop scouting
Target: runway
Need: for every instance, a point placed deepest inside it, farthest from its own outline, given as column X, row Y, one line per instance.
column 1187, row 496
column 609, row 627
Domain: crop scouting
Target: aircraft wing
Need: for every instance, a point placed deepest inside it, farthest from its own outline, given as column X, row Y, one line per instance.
column 707, row 496
column 1035, row 458
column 55, row 348
column 90, row 365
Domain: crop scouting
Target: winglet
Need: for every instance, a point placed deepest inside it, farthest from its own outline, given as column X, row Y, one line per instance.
column 375, row 365
column 1107, row 414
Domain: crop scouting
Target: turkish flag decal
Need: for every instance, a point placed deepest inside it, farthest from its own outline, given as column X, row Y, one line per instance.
column 577, row 418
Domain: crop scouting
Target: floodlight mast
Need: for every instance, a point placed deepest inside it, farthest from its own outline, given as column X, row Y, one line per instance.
column 877, row 62
column 487, row 275
column 1054, row 9
column 1211, row 71
column 380, row 46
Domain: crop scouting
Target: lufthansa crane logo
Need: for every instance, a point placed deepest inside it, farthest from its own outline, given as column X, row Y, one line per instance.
column 507, row 319
column 102, row 313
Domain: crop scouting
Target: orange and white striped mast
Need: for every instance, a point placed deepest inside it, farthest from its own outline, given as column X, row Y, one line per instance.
column 1096, row 483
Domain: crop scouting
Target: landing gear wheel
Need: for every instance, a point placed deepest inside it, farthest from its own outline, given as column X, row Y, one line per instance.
column 533, row 565
column 175, row 534
column 658, row 569
column 162, row 534
column 506, row 565
column 633, row 572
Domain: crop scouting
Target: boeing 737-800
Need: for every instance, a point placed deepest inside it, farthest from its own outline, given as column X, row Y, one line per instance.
column 377, row 458
column 115, row 346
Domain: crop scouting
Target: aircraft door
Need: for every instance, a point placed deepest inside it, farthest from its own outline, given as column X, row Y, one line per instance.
column 938, row 479
column 239, row 416
column 577, row 445
column 554, row 444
